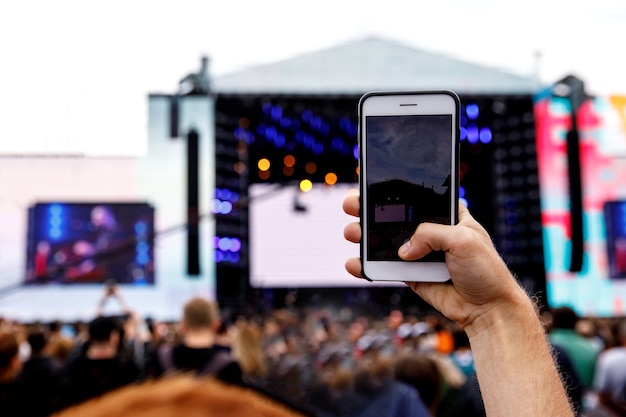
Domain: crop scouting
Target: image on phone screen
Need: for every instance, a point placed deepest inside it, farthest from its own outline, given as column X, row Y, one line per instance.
column 408, row 180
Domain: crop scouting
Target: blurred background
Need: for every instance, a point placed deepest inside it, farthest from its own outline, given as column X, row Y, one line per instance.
column 183, row 148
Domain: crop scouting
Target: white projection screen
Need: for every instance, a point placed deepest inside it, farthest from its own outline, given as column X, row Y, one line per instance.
column 305, row 247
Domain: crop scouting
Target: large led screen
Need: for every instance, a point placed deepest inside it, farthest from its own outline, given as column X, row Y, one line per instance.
column 78, row 243
column 585, row 269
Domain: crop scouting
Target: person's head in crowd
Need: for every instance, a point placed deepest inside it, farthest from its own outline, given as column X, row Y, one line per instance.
column 37, row 339
column 421, row 372
column 55, row 326
column 564, row 318
column 105, row 337
column 200, row 321
column 586, row 327
column 59, row 348
column 248, row 351
column 619, row 330
column 10, row 364
column 395, row 319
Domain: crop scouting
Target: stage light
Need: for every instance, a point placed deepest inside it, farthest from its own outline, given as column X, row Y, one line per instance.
column 306, row 185
column 309, row 141
column 224, row 244
column 225, row 207
column 463, row 133
column 316, row 122
column 215, row 205
column 244, row 123
column 330, row 178
column 289, row 161
column 300, row 136
column 241, row 148
column 285, row 122
column 240, row 168
column 276, row 112
column 271, row 132
column 318, row 148
column 355, row 151
column 472, row 133
column 264, row 164
column 485, row 135
column 235, row 245
column 279, row 140
column 472, row 111
column 288, row 171
column 337, row 144
column 264, row 175
column 310, row 168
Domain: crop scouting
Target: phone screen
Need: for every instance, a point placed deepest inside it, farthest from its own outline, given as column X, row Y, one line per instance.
column 409, row 160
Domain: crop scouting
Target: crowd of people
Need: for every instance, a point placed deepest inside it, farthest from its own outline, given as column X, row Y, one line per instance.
column 482, row 350
column 317, row 361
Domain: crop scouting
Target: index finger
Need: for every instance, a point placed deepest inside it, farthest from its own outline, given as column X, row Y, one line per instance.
column 352, row 204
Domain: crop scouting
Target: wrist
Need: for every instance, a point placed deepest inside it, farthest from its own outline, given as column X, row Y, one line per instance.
column 515, row 310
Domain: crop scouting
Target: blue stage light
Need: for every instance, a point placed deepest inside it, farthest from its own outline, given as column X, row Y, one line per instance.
column 271, row 132
column 224, row 244
column 318, row 148
column 276, row 112
column 279, row 140
column 472, row 111
column 235, row 245
column 355, row 151
column 485, row 135
column 225, row 207
column 344, row 123
column 472, row 133
column 309, row 141
column 316, row 122
column 300, row 136
column 306, row 116
column 285, row 122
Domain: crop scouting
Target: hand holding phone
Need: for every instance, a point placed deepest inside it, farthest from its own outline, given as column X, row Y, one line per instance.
column 408, row 144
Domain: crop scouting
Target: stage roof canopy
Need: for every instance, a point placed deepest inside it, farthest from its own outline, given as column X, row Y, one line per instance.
column 372, row 64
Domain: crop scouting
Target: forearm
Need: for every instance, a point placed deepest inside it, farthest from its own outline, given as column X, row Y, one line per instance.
column 514, row 363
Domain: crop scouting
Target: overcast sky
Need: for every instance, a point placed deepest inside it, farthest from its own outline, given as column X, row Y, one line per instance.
column 63, row 61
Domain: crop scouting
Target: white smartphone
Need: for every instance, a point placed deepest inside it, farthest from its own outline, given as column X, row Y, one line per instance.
column 408, row 174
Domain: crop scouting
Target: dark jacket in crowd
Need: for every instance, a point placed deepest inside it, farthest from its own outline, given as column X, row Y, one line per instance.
column 213, row 360
column 40, row 379
column 88, row 378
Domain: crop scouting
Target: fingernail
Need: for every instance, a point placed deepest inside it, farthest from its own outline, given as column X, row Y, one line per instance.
column 405, row 247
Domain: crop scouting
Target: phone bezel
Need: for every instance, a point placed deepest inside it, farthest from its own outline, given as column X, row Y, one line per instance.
column 391, row 103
